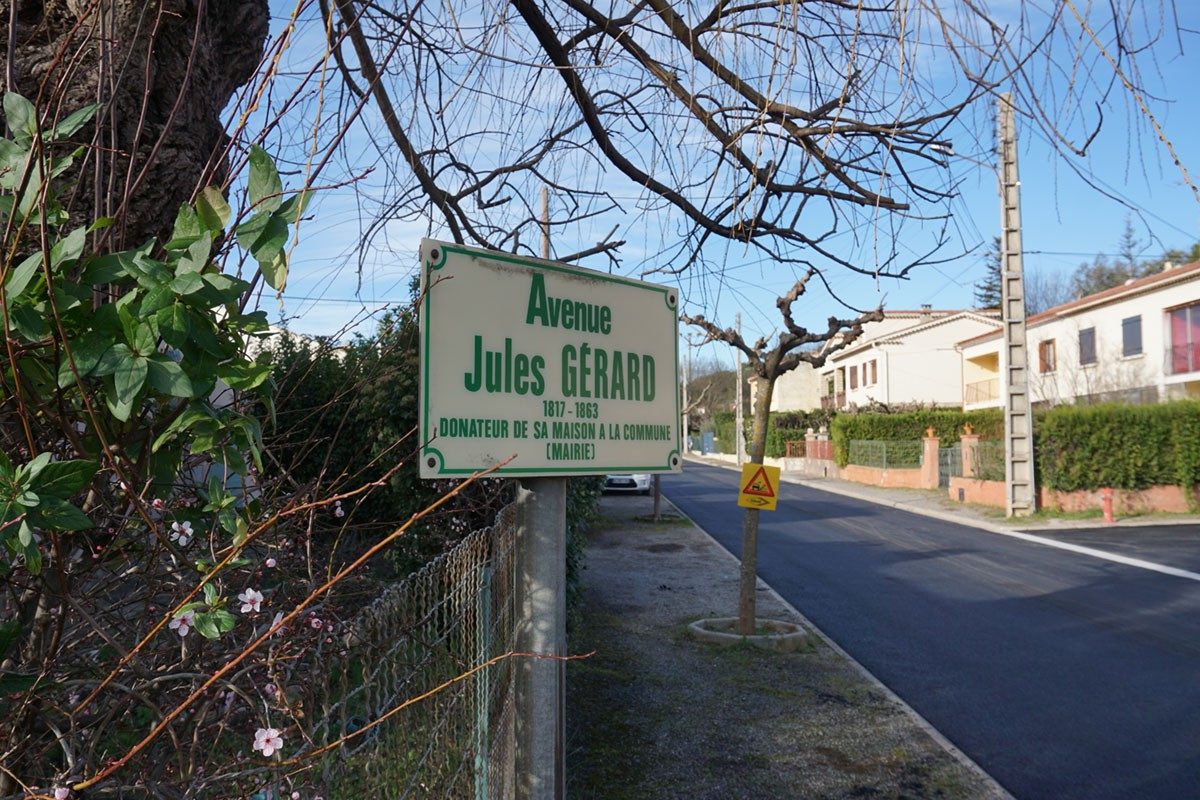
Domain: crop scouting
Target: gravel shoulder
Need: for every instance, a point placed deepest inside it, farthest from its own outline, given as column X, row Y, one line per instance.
column 655, row 714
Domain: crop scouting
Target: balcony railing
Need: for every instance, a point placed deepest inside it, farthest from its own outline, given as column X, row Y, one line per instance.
column 1183, row 358
column 833, row 401
column 982, row 391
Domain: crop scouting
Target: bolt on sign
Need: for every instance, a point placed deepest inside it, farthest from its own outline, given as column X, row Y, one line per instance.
column 565, row 370
column 760, row 487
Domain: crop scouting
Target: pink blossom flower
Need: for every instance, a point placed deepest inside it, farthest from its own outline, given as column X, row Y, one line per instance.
column 181, row 533
column 251, row 601
column 183, row 623
column 62, row 793
column 157, row 504
column 276, row 626
column 295, row 796
column 315, row 623
column 270, row 563
column 270, row 689
column 268, row 740
column 337, row 509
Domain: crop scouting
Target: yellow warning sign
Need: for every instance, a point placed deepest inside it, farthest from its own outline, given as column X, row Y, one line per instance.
column 760, row 487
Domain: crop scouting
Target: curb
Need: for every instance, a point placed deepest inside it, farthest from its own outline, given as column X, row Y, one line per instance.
column 958, row 755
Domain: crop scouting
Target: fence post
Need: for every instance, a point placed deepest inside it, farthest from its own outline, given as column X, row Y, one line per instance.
column 541, row 629
column 930, row 460
column 483, row 651
column 970, row 449
column 810, row 443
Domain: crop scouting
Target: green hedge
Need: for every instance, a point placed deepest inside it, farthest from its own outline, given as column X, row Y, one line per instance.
column 782, row 427
column 1119, row 446
column 790, row 426
column 724, row 423
column 911, row 426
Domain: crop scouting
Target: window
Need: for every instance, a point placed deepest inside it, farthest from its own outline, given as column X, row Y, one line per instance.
column 1047, row 360
column 1087, row 346
column 1184, row 325
column 1131, row 336
column 854, row 377
column 875, row 375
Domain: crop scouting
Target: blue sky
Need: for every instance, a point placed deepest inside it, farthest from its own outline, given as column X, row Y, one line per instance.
column 1065, row 221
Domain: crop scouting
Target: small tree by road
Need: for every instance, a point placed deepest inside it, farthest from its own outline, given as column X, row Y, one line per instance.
column 796, row 345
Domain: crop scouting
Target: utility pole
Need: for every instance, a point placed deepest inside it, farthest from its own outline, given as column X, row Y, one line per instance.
column 542, row 606
column 739, row 422
column 684, row 421
column 1020, row 490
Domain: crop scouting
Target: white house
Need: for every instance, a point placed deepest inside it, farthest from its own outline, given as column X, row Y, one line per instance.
column 907, row 357
column 1139, row 342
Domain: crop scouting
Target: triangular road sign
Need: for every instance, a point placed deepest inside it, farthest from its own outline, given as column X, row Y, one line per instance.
column 759, row 485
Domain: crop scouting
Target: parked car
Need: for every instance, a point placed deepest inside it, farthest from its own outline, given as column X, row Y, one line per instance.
column 627, row 482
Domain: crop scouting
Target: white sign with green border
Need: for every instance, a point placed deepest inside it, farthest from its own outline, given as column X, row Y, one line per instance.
column 563, row 370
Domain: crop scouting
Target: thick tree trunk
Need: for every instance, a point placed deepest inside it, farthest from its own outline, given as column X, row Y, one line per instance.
column 747, row 600
column 162, row 72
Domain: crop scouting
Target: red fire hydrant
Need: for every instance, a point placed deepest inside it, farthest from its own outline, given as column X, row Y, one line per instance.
column 1106, row 497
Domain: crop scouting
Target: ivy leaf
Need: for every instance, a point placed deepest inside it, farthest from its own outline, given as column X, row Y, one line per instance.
column 187, row 283
column 212, row 209
column 21, row 117
column 29, row 322
column 120, row 408
column 60, row 515
column 205, row 625
column 112, row 358
column 197, row 255
column 73, row 122
column 130, row 376
column 19, row 278
column 174, row 324
column 225, row 621
column 187, row 229
column 87, row 354
column 293, row 208
column 62, row 479
column 27, row 473
column 264, row 187
column 66, row 251
column 168, row 377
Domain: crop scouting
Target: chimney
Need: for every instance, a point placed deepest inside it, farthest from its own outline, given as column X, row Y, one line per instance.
column 1168, row 266
column 926, row 308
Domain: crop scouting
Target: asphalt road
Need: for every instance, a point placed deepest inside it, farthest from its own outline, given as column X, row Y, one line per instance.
column 1062, row 675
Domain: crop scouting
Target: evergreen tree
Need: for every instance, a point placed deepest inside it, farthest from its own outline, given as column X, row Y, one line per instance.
column 988, row 289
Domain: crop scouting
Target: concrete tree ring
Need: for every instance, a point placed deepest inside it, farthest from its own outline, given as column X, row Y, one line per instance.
column 782, row 637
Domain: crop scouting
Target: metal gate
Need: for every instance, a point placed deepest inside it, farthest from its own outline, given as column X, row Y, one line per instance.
column 949, row 464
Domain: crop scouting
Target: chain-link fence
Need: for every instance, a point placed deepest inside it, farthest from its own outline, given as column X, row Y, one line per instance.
column 885, row 454
column 986, row 460
column 417, row 639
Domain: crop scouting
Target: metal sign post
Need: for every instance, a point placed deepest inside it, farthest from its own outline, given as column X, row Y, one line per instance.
column 549, row 370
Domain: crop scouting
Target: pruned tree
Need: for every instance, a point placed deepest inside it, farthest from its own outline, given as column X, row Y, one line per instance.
column 796, row 345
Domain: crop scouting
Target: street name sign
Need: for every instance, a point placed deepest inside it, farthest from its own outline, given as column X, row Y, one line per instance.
column 760, row 487
column 565, row 370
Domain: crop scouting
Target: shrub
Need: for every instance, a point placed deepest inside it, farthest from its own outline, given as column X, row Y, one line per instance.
column 947, row 425
column 1119, row 446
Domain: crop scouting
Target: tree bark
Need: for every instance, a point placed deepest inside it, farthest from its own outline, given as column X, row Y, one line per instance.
column 162, row 72
column 747, row 600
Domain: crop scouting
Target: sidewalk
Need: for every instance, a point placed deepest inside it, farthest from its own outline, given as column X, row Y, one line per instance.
column 654, row 713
